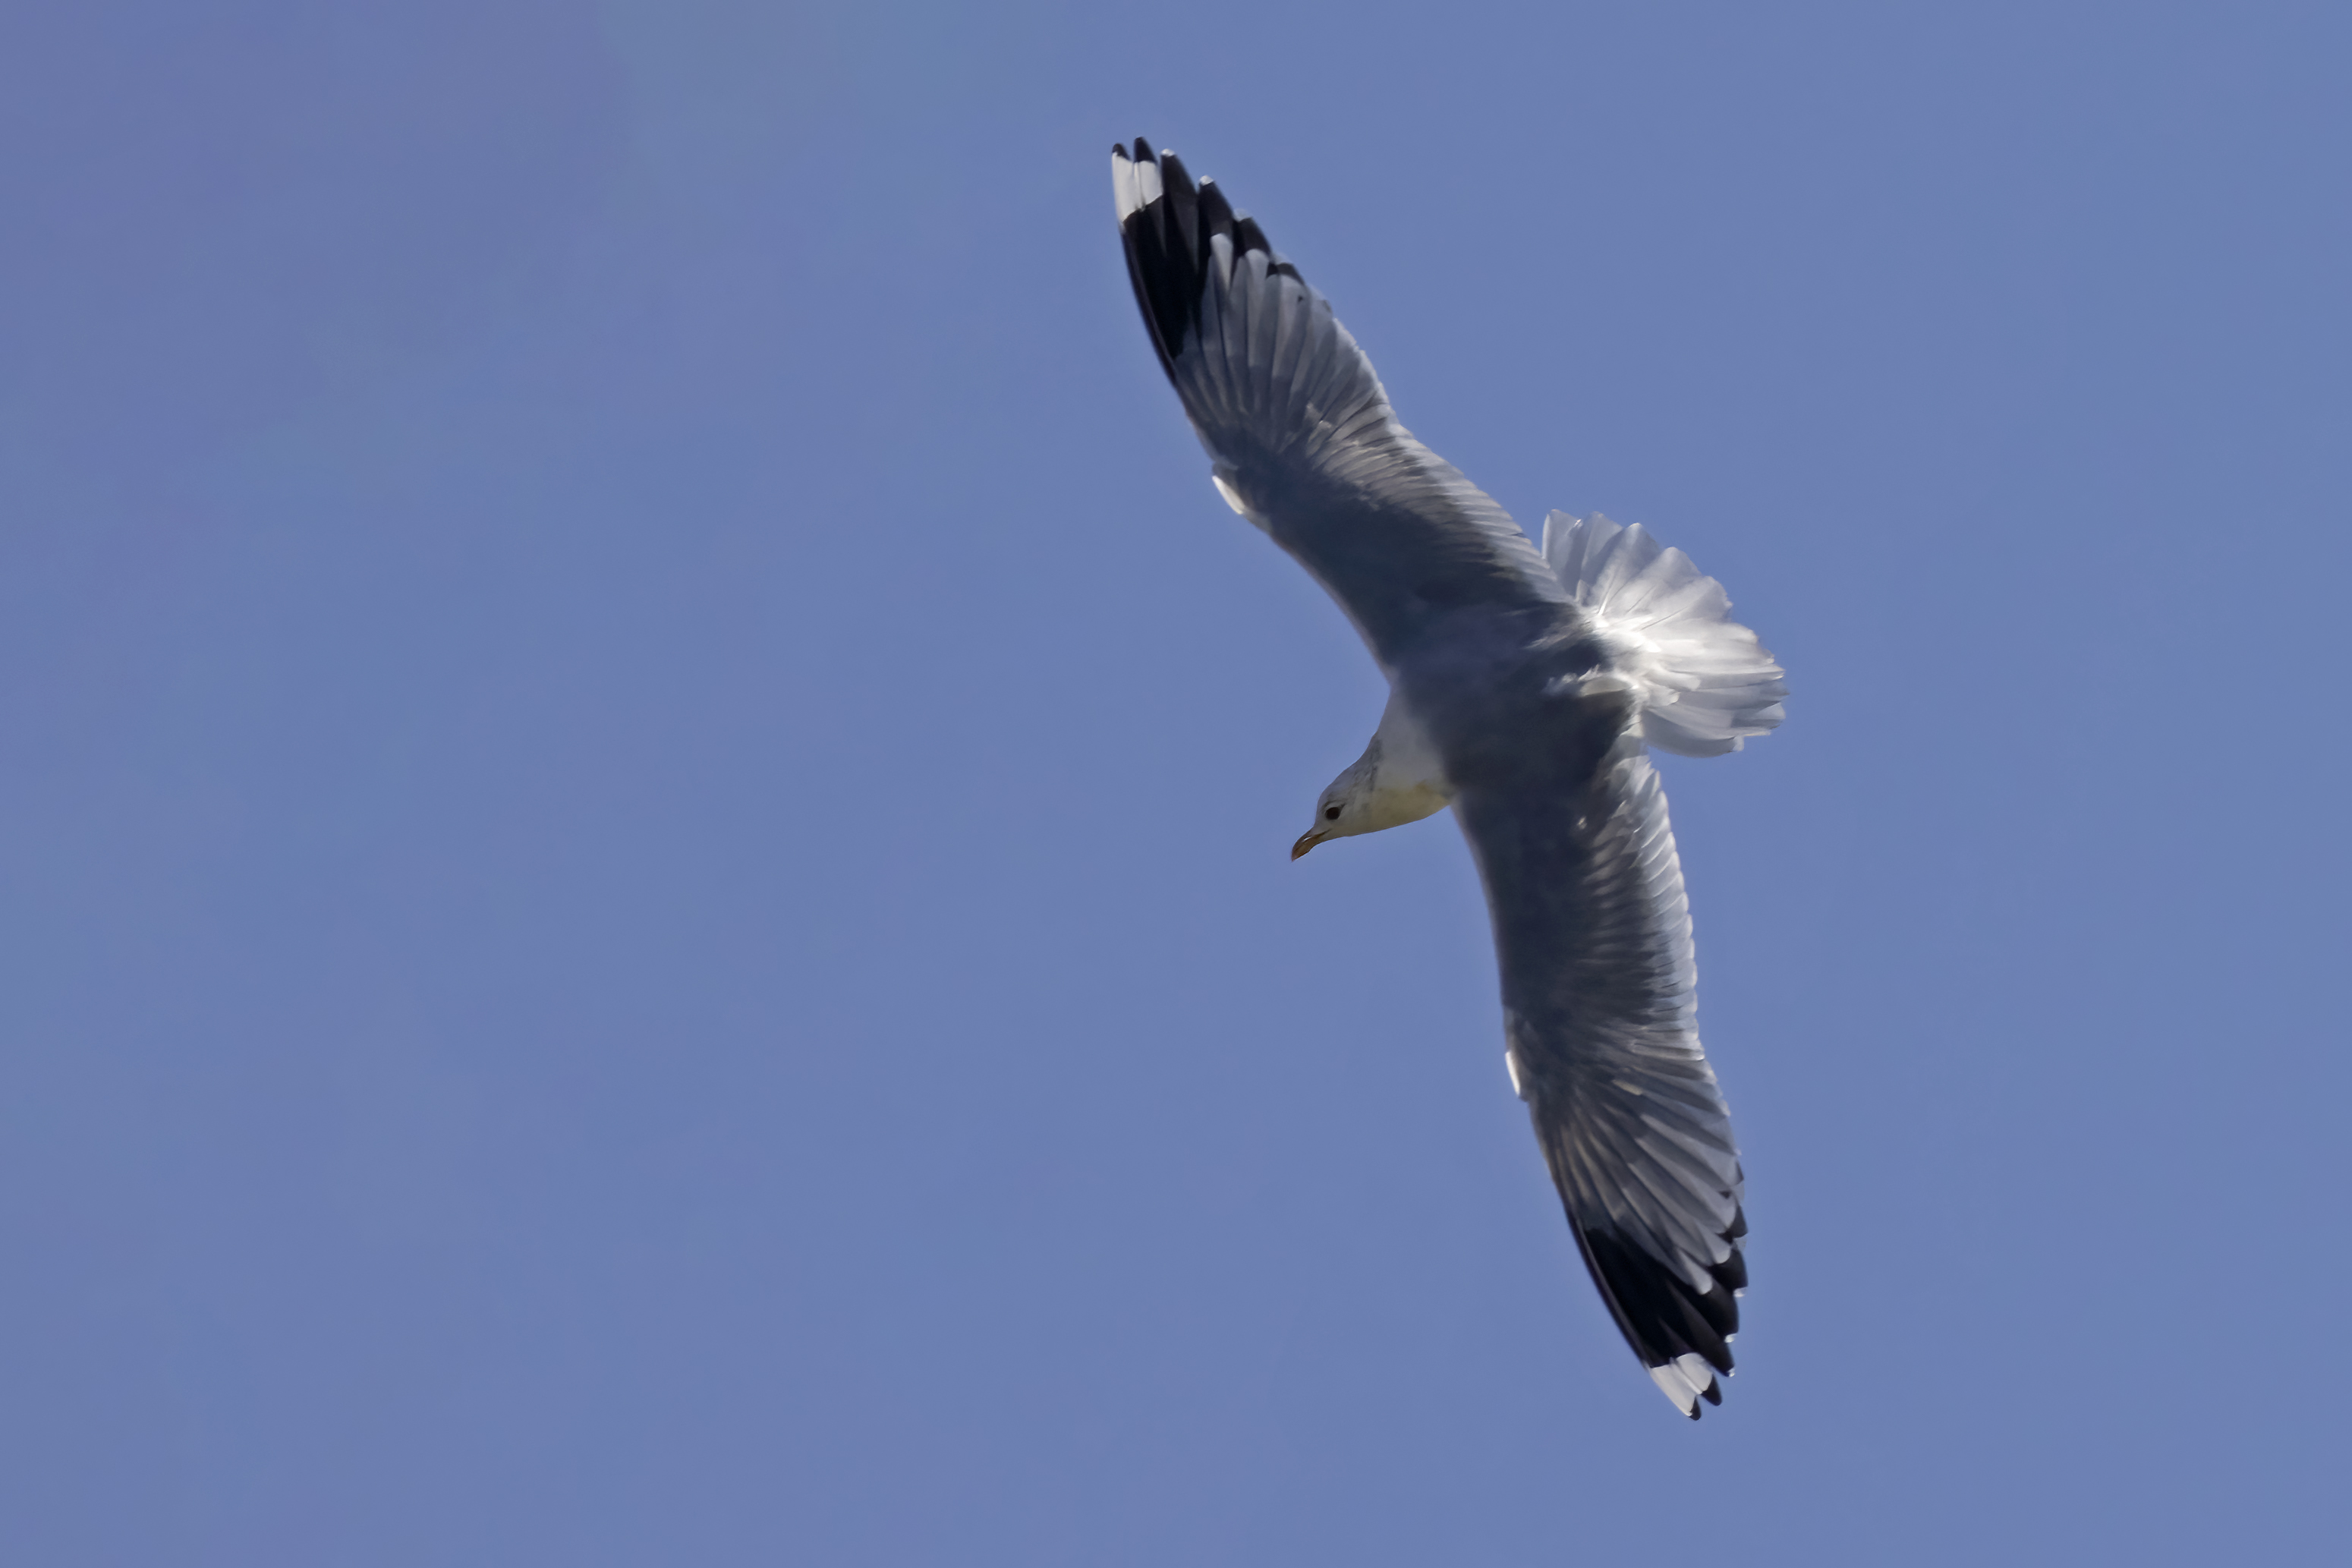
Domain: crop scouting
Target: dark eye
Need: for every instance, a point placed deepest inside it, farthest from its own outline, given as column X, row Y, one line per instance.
column 1330, row 813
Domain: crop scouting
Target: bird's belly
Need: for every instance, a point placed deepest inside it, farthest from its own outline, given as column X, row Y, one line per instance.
column 1493, row 711
column 1410, row 759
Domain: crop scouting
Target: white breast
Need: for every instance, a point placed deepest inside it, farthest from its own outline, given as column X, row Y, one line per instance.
column 1408, row 760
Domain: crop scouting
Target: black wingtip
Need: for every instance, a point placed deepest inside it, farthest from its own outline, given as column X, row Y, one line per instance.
column 1215, row 209
column 1168, row 249
column 1660, row 1314
column 1173, row 176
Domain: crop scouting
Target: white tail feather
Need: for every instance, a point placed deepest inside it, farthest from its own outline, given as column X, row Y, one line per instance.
column 1705, row 682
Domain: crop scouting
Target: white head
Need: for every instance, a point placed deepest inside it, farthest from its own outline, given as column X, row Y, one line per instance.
column 1367, row 797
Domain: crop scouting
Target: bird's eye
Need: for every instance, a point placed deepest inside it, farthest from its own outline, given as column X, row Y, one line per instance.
column 1330, row 813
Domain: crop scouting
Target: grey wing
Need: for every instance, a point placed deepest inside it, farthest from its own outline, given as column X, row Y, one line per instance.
column 1301, row 436
column 1593, row 930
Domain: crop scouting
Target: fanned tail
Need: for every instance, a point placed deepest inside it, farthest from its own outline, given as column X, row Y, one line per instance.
column 1705, row 682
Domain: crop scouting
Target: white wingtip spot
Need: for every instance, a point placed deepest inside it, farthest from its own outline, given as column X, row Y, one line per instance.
column 1511, row 1066
column 1682, row 1380
column 1127, row 181
column 1147, row 184
column 1232, row 498
column 1684, row 1397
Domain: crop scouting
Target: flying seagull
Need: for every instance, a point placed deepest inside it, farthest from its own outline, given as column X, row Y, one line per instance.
column 1525, row 686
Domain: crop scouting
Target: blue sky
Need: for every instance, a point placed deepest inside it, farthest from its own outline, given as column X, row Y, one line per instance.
column 644, row 793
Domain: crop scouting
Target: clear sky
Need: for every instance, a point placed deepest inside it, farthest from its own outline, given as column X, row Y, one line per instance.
column 643, row 795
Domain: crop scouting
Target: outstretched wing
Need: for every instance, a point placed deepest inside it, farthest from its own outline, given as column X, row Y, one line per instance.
column 1593, row 933
column 1301, row 437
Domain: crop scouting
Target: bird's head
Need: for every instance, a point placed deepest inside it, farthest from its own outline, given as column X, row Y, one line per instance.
column 1360, row 800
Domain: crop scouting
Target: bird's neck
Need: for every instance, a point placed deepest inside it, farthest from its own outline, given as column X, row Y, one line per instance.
column 1408, row 778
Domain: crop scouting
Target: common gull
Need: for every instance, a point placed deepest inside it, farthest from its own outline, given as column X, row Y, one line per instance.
column 1527, row 686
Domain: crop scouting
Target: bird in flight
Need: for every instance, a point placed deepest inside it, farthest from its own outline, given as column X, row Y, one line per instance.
column 1525, row 686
